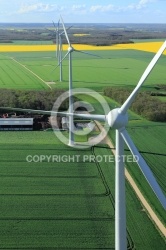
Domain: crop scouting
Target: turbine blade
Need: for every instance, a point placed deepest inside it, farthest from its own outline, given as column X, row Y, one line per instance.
column 67, row 38
column 66, row 30
column 56, row 28
column 132, row 96
column 60, row 63
column 55, row 68
column 83, row 52
column 54, row 24
column 57, row 37
column 145, row 169
column 64, row 57
column 69, row 27
column 101, row 118
column 77, row 115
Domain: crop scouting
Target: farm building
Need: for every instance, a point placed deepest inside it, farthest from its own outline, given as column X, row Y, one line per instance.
column 16, row 124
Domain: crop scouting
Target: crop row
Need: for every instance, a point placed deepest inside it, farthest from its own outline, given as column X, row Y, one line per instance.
column 15, row 76
column 50, row 204
column 114, row 68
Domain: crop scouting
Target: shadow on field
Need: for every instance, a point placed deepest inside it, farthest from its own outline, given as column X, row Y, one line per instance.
column 146, row 152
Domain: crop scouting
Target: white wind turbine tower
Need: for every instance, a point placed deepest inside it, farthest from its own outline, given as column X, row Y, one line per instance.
column 57, row 39
column 117, row 119
column 69, row 53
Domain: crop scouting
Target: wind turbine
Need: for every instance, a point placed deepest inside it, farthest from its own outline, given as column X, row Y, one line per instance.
column 59, row 47
column 69, row 53
column 117, row 119
column 60, row 53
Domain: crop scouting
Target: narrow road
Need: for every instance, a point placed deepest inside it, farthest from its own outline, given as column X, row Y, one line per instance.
column 31, row 72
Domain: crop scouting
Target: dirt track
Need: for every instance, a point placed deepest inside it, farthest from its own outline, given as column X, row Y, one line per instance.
column 31, row 72
column 144, row 202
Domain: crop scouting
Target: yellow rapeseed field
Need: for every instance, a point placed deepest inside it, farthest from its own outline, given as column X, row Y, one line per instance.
column 23, row 48
column 149, row 47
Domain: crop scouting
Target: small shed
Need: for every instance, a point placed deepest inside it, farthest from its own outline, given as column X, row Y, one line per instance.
column 65, row 123
column 16, row 124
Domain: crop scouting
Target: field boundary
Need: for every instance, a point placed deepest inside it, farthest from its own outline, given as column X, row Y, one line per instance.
column 31, row 72
column 150, row 212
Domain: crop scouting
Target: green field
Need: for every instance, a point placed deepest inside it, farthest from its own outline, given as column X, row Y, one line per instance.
column 114, row 68
column 52, row 205
column 147, row 40
column 150, row 140
column 55, row 205
column 162, row 98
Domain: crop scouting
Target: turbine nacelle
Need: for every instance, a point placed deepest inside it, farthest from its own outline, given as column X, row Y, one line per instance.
column 117, row 120
column 70, row 49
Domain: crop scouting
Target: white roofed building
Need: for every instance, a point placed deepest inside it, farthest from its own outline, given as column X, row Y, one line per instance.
column 16, row 124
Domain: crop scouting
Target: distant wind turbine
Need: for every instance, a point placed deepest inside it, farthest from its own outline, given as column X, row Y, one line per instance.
column 69, row 53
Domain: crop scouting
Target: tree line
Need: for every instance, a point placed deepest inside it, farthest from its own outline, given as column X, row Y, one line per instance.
column 43, row 100
column 147, row 106
column 95, row 35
